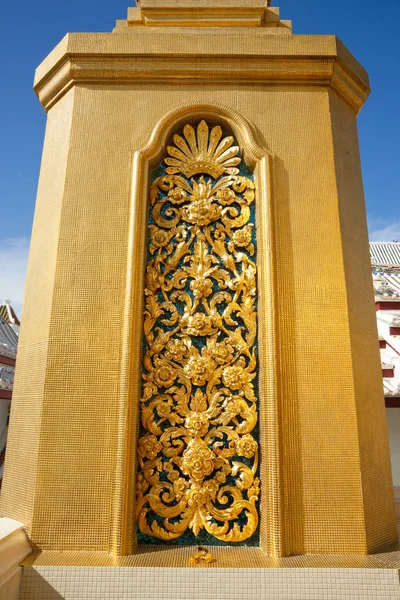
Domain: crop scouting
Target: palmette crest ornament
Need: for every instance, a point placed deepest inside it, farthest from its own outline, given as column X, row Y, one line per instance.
column 198, row 456
column 203, row 152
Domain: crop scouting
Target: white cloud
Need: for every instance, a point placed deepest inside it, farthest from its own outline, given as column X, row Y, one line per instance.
column 13, row 262
column 384, row 231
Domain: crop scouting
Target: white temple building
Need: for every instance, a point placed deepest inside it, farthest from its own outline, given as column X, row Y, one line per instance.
column 385, row 262
column 9, row 328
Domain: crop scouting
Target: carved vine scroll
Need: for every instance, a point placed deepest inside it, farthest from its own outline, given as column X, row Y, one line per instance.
column 198, row 456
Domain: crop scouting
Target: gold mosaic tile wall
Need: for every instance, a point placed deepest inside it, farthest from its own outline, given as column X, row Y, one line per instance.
column 63, row 469
column 368, row 393
column 23, row 445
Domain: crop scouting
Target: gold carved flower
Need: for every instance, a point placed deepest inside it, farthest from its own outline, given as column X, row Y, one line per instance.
column 242, row 237
column 224, row 470
column 159, row 238
column 226, row 196
column 233, row 406
column 173, row 474
column 197, row 460
column 180, row 487
column 177, row 195
column 164, row 375
column 198, row 324
column 163, row 409
column 197, row 424
column 235, row 378
column 201, row 494
column 176, row 350
column 199, row 369
column 149, row 447
column 222, row 352
column 246, row 446
column 201, row 287
column 220, row 477
column 201, row 212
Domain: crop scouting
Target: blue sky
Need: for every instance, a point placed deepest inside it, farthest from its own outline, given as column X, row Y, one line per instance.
column 31, row 29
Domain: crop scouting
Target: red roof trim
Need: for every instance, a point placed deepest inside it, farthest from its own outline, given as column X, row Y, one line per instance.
column 6, row 360
column 5, row 394
column 388, row 373
column 384, row 305
column 394, row 349
column 392, row 402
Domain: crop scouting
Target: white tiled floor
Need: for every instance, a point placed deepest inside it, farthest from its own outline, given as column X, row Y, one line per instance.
column 118, row 583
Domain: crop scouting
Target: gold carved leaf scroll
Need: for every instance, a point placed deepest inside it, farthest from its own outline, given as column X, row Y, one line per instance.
column 198, row 458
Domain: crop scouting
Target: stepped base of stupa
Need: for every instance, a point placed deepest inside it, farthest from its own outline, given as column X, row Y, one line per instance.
column 98, row 576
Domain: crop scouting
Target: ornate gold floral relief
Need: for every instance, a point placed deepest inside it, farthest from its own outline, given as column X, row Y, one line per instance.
column 198, row 457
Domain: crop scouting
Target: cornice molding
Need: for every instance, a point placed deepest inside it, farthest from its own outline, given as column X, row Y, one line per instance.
column 330, row 66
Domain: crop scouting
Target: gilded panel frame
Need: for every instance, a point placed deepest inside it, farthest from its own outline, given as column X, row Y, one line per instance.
column 261, row 161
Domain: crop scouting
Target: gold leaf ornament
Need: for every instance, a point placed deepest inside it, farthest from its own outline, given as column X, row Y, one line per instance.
column 198, row 457
column 202, row 151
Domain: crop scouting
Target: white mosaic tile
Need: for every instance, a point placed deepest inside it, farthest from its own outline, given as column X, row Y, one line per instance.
column 119, row 583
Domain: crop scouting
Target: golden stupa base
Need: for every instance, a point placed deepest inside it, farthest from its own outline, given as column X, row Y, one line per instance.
column 114, row 103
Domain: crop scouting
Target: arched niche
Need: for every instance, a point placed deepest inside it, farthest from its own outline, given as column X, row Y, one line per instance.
column 260, row 161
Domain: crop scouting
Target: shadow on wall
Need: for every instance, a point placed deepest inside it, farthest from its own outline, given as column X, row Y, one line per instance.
column 289, row 410
column 36, row 587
